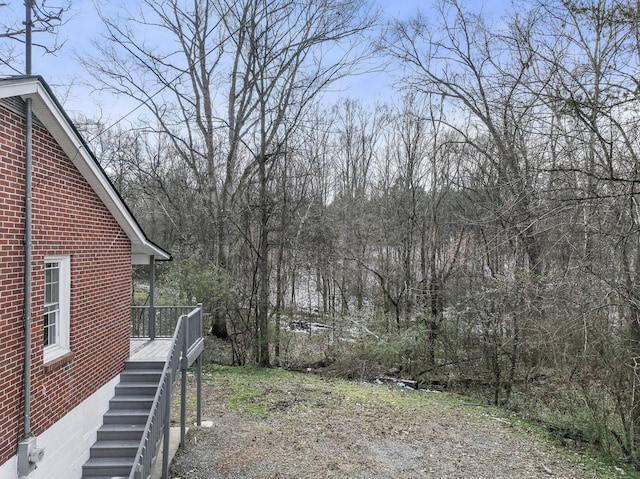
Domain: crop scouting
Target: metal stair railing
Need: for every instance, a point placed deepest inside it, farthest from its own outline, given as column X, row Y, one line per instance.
column 163, row 317
column 186, row 347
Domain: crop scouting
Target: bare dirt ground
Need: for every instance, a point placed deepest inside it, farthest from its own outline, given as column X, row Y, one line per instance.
column 275, row 424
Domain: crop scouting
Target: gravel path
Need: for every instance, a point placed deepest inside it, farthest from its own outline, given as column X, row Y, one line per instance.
column 304, row 427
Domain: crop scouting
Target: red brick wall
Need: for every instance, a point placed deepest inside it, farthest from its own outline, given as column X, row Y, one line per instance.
column 69, row 219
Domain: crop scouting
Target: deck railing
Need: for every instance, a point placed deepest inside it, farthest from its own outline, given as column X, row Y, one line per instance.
column 164, row 320
column 186, row 347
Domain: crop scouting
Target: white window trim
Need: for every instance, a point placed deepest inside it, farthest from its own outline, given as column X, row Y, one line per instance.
column 62, row 346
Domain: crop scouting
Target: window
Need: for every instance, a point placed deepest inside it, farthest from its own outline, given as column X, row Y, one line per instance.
column 57, row 279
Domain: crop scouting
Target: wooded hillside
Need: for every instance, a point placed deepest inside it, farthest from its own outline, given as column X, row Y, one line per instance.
column 480, row 229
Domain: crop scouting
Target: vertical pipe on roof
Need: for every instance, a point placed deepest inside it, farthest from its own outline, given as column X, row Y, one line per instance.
column 27, row 34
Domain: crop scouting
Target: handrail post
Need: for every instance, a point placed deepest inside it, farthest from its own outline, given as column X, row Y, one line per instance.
column 167, row 426
column 183, row 408
column 200, row 319
column 199, row 392
column 199, row 379
column 183, row 383
column 152, row 299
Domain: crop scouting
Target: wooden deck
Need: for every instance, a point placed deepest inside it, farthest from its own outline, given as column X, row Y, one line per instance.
column 143, row 349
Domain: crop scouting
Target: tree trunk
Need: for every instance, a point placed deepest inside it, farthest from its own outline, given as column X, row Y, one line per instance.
column 279, row 302
column 263, row 270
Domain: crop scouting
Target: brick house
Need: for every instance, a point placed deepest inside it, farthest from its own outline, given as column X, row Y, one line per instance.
column 84, row 242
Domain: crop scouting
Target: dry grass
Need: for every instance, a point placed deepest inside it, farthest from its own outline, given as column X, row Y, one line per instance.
column 279, row 424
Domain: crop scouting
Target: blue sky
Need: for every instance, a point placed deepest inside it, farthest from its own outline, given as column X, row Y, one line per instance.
column 65, row 74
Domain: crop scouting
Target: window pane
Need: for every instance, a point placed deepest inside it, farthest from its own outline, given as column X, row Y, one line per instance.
column 51, row 302
column 50, row 322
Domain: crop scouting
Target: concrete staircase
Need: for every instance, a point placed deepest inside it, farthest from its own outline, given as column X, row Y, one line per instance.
column 118, row 439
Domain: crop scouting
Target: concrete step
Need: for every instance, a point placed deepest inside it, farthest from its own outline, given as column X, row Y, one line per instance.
column 131, row 402
column 136, row 389
column 115, row 448
column 144, row 365
column 107, row 466
column 110, row 432
column 126, row 416
column 140, row 376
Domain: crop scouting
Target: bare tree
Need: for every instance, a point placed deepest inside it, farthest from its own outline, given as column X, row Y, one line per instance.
column 229, row 91
column 44, row 18
column 456, row 56
column 288, row 64
column 591, row 50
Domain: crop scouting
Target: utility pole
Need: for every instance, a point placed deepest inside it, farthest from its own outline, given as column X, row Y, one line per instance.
column 28, row 27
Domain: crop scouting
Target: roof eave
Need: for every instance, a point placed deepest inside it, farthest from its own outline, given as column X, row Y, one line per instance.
column 50, row 113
